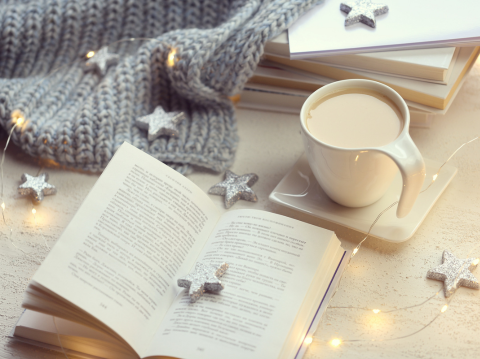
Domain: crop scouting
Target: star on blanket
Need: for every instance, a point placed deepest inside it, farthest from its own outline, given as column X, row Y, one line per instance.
column 204, row 277
column 454, row 273
column 37, row 187
column 160, row 123
column 235, row 187
column 101, row 60
column 362, row 11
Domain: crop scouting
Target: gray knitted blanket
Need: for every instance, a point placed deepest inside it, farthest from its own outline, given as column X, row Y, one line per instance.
column 79, row 118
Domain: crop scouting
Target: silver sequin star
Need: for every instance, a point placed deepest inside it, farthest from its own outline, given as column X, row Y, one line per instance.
column 101, row 60
column 362, row 11
column 235, row 187
column 454, row 273
column 160, row 123
column 37, row 187
column 204, row 277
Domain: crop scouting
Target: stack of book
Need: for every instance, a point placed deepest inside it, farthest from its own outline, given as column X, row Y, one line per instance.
column 427, row 76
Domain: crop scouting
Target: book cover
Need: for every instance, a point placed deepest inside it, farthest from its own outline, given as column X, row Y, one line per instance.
column 423, row 23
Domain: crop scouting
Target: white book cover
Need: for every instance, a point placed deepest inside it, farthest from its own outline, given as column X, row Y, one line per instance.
column 408, row 24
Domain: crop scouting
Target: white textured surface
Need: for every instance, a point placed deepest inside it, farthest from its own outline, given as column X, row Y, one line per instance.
column 382, row 275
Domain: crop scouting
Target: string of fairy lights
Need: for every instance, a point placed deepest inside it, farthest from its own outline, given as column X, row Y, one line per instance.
column 335, row 342
column 19, row 121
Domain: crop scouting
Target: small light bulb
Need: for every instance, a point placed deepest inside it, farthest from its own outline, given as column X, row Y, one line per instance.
column 171, row 58
column 335, row 342
column 34, row 210
column 435, row 177
column 376, row 311
column 476, row 261
column 17, row 117
column 91, row 54
column 445, row 307
column 3, row 206
column 308, row 340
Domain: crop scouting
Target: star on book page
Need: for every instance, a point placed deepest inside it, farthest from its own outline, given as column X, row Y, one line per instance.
column 454, row 273
column 204, row 277
column 160, row 123
column 101, row 60
column 235, row 187
column 37, row 187
column 362, row 11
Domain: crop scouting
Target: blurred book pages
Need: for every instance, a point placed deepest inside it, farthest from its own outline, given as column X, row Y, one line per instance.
column 426, row 93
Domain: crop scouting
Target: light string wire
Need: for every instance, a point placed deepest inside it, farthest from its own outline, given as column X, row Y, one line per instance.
column 58, row 337
column 336, row 342
column 19, row 121
column 357, row 248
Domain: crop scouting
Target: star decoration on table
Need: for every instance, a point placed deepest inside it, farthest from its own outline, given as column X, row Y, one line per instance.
column 160, row 123
column 362, row 11
column 454, row 273
column 205, row 277
column 101, row 60
column 37, row 187
column 235, row 187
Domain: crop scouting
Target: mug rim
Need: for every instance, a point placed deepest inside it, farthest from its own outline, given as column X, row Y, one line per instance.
column 337, row 85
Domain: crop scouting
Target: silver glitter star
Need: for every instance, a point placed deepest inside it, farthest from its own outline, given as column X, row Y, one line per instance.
column 37, row 187
column 101, row 60
column 235, row 187
column 362, row 11
column 160, row 123
column 454, row 273
column 204, row 277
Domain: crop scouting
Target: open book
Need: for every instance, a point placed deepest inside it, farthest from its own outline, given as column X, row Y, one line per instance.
column 115, row 268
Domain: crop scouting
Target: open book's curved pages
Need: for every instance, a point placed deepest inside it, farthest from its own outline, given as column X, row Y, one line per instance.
column 143, row 226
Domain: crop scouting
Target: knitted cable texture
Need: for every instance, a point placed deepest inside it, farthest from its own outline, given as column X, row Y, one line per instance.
column 79, row 118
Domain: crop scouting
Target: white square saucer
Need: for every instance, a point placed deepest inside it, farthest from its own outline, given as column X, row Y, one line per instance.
column 300, row 190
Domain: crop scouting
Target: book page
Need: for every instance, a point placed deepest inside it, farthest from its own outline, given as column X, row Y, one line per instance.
column 272, row 260
column 141, row 226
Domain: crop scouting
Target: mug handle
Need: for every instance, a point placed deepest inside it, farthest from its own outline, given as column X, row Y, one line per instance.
column 412, row 167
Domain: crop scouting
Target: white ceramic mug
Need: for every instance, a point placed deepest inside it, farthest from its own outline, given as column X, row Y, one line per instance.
column 360, row 176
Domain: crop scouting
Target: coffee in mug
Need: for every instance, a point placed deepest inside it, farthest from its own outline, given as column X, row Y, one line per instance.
column 353, row 118
column 355, row 134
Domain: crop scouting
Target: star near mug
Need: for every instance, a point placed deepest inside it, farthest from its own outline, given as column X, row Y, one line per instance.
column 357, row 177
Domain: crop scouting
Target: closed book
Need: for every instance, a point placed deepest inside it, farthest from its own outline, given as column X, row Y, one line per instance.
column 407, row 25
column 433, row 64
column 429, row 94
